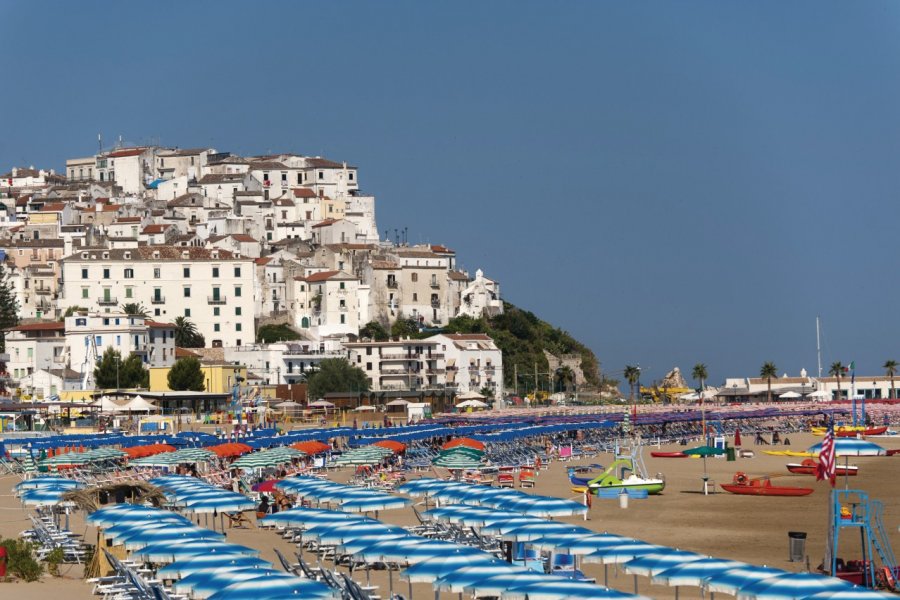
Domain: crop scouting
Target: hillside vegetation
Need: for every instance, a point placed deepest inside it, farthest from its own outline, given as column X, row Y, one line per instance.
column 523, row 337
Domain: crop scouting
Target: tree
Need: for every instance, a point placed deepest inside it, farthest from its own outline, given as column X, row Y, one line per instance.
column 113, row 372
column 186, row 375
column 9, row 306
column 767, row 372
column 336, row 375
column 632, row 376
column 700, row 374
column 375, row 331
column 268, row 334
column 404, row 328
column 836, row 370
column 565, row 377
column 74, row 309
column 186, row 334
column 134, row 309
column 890, row 369
column 487, row 392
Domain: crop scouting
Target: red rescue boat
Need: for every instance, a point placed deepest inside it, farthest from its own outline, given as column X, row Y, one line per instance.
column 853, row 433
column 745, row 486
column 668, row 454
column 810, row 467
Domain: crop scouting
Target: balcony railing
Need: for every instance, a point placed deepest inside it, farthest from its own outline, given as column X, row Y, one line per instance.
column 158, row 300
column 392, row 284
column 216, row 299
column 110, row 301
column 435, row 284
column 435, row 304
column 43, row 291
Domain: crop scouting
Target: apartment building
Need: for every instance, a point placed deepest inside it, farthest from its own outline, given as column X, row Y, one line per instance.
column 473, row 362
column 399, row 364
column 212, row 288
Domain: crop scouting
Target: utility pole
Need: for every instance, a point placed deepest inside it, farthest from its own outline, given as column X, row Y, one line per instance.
column 536, row 382
column 516, row 378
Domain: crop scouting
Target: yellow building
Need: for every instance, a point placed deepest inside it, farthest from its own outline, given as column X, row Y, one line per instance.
column 218, row 379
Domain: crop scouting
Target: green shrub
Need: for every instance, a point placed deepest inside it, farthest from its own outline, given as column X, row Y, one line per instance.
column 21, row 559
column 53, row 561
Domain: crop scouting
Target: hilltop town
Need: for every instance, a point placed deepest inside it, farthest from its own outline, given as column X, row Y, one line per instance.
column 134, row 247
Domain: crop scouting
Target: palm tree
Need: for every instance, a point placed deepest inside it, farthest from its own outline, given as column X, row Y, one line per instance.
column 700, row 374
column 837, row 370
column 890, row 369
column 767, row 372
column 632, row 375
column 186, row 334
column 134, row 309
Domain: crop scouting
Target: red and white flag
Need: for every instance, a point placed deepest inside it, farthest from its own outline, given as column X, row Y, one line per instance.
column 826, row 457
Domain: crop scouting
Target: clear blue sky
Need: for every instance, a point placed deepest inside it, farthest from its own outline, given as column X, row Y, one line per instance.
column 670, row 182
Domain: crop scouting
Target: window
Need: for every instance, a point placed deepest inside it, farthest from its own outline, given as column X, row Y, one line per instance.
column 118, row 340
column 215, row 327
column 415, row 277
column 368, row 366
column 84, row 273
column 237, row 311
column 237, row 342
column 84, row 292
column 105, row 272
column 156, row 273
column 215, row 311
column 80, row 323
column 321, row 175
column 350, row 175
column 31, row 353
column 187, row 272
column 156, row 312
column 106, row 321
column 284, row 214
column 215, row 271
column 129, row 273
column 237, row 291
column 237, row 327
column 187, row 312
column 98, row 340
column 129, row 292
column 237, row 271
column 415, row 297
column 343, row 319
column 342, row 285
column 187, row 292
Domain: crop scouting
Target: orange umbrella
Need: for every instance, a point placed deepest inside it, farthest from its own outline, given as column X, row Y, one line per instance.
column 230, row 449
column 467, row 442
column 148, row 450
column 392, row 445
column 310, row 448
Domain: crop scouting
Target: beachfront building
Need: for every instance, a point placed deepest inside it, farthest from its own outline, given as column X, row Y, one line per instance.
column 33, row 347
column 281, row 363
column 823, row 389
column 473, row 362
column 211, row 288
column 400, row 364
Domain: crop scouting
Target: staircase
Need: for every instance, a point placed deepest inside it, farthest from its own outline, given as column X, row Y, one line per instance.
column 865, row 515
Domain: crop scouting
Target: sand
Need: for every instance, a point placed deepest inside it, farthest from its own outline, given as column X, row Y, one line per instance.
column 752, row 529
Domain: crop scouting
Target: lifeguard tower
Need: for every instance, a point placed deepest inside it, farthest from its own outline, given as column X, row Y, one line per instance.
column 854, row 515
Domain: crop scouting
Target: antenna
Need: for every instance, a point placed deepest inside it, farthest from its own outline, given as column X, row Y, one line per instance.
column 818, row 348
column 99, row 143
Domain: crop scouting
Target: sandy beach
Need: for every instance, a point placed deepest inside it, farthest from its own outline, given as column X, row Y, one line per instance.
column 752, row 529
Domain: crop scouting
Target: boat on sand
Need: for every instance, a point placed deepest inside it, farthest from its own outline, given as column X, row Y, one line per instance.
column 668, row 455
column 810, row 467
column 761, row 486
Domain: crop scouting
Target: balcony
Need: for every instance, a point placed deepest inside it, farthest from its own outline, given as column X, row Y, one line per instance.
column 435, row 304
column 435, row 285
column 392, row 284
column 342, row 308
column 158, row 300
column 216, row 299
column 43, row 291
column 107, row 301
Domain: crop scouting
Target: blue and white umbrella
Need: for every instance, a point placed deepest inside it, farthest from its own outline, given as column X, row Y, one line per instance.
column 457, row 580
column 42, row 497
column 383, row 502
column 545, row 507
column 144, row 539
column 183, row 568
column 361, row 543
column 851, row 447
column 694, row 572
column 651, row 564
column 432, row 569
column 233, row 503
column 729, row 582
column 166, row 553
column 591, row 544
column 534, row 531
column 110, row 515
column 623, row 553
column 48, row 482
column 555, row 540
column 790, row 586
column 556, row 588
column 855, row 594
column 264, row 588
column 202, row 585
column 497, row 584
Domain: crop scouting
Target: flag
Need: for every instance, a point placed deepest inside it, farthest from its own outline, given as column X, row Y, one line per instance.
column 826, row 469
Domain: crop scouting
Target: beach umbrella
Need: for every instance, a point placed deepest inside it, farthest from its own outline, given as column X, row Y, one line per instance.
column 263, row 588
column 557, row 588
column 457, row 580
column 851, row 447
column 48, row 482
column 545, row 506
column 732, row 580
column 456, row 460
column 205, row 584
column 126, row 529
column 694, row 572
column 737, row 437
column 311, row 447
column 168, row 553
column 392, row 445
column 419, row 487
column 384, row 502
column 183, row 568
column 703, row 451
column 289, row 518
column 497, row 584
column 230, row 503
column 42, row 497
column 147, row 538
column 337, row 533
column 790, row 586
column 358, row 544
column 465, row 442
column 533, row 531
column 854, row 594
column 651, row 564
column 552, row 541
column 107, row 517
column 429, row 570
column 591, row 544
column 623, row 552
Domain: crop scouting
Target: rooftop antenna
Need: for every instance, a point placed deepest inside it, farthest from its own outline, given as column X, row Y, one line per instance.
column 818, row 347
column 405, row 236
column 99, row 143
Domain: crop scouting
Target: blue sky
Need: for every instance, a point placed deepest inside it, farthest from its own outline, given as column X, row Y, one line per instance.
column 670, row 182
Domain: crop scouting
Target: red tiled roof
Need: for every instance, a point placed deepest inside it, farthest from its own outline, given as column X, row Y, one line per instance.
column 127, row 152
column 157, row 325
column 128, row 220
column 303, row 193
column 263, row 261
column 243, row 237
column 156, row 228
column 322, row 276
column 53, row 207
column 441, row 249
column 185, row 353
column 326, row 223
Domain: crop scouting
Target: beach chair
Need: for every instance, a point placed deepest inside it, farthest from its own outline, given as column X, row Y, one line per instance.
column 527, row 478
column 293, row 569
column 506, row 478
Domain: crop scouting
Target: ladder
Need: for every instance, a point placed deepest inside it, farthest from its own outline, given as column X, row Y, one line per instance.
column 880, row 540
column 865, row 515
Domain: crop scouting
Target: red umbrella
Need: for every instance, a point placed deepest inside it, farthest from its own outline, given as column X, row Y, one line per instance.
column 392, row 445
column 737, row 438
column 266, row 486
column 467, row 442
column 310, row 448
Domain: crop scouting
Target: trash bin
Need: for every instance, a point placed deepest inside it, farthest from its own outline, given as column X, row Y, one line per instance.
column 729, row 453
column 797, row 545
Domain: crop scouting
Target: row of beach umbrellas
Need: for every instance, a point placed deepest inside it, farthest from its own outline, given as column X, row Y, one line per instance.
column 348, row 498
column 455, row 492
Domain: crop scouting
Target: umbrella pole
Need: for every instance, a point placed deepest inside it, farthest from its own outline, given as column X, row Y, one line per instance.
column 410, row 590
column 677, row 589
column 636, row 587
column 606, row 575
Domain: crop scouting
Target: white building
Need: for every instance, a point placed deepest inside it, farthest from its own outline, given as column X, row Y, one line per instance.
column 399, row 365
column 281, row 363
column 35, row 346
column 328, row 304
column 481, row 298
column 212, row 288
column 474, row 362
